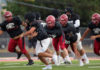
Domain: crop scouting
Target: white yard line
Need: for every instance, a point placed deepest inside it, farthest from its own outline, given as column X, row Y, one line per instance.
column 69, row 65
column 94, row 67
column 94, row 63
column 4, row 67
column 11, row 63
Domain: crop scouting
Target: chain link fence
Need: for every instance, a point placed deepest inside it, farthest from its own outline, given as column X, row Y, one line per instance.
column 4, row 40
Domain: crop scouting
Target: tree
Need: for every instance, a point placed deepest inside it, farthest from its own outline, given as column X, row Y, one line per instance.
column 85, row 8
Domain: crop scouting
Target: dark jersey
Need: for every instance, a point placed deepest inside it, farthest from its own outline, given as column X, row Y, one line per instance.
column 39, row 21
column 42, row 34
column 34, row 38
column 55, row 31
column 72, row 20
column 95, row 29
column 28, row 27
column 13, row 27
column 70, row 32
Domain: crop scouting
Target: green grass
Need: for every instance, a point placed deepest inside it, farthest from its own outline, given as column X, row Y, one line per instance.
column 94, row 65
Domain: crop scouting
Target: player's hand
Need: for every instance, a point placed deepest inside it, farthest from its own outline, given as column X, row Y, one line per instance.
column 34, row 34
column 29, row 37
column 81, row 39
column 16, row 37
column 93, row 37
column 22, row 35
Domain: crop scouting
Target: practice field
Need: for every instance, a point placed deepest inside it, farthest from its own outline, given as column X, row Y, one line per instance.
column 20, row 65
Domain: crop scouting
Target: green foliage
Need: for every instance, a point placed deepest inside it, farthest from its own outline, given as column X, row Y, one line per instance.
column 85, row 8
column 16, row 9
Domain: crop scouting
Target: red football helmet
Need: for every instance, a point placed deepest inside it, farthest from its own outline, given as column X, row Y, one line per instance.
column 95, row 18
column 63, row 19
column 8, row 16
column 50, row 20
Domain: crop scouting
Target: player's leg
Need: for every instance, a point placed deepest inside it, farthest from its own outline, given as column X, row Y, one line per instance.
column 97, row 47
column 12, row 48
column 77, row 54
column 55, row 42
column 42, row 52
column 81, row 49
column 64, row 51
column 21, row 45
column 29, row 45
column 34, row 42
column 82, row 53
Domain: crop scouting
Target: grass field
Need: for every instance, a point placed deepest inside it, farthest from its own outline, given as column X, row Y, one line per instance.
column 94, row 65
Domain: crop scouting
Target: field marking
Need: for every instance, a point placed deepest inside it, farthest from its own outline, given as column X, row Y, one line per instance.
column 95, row 63
column 94, row 67
column 69, row 65
column 65, row 65
column 4, row 67
column 11, row 63
column 24, row 65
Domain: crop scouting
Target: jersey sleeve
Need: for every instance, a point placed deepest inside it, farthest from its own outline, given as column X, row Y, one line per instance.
column 90, row 26
column 2, row 27
column 62, row 32
column 18, row 20
column 72, row 28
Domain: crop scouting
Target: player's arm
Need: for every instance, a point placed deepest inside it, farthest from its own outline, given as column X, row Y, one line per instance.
column 1, row 29
column 97, row 36
column 20, row 22
column 24, row 24
column 29, row 32
column 62, row 33
column 85, row 33
column 1, row 32
column 94, row 37
column 74, row 45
